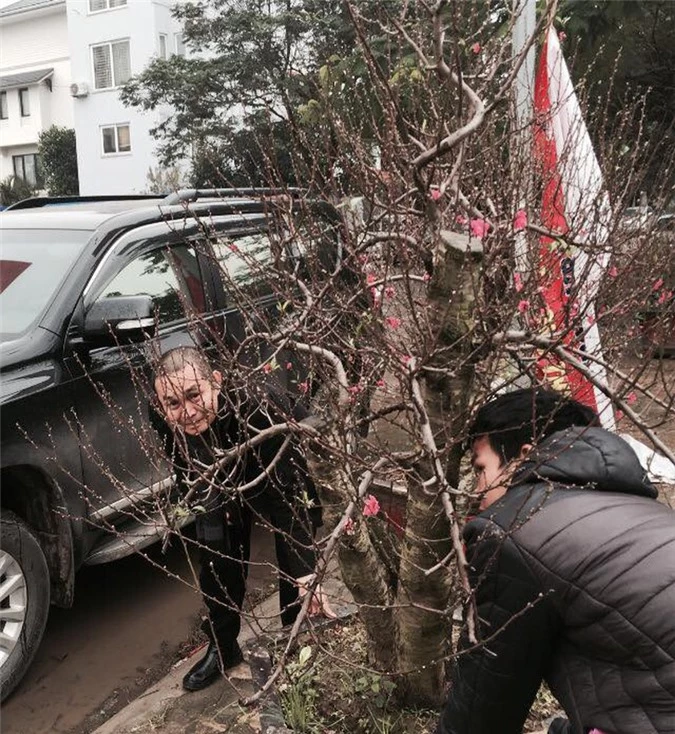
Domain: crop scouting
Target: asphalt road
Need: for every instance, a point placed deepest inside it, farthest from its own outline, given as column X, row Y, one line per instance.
column 129, row 624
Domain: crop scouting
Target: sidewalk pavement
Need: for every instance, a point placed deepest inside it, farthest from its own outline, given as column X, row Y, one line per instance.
column 165, row 708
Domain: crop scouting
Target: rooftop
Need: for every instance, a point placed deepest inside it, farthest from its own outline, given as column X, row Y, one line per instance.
column 11, row 81
column 25, row 6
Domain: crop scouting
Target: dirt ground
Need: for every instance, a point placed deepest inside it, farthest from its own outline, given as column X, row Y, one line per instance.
column 130, row 624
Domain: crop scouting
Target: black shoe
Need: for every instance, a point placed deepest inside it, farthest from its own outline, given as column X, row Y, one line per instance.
column 207, row 670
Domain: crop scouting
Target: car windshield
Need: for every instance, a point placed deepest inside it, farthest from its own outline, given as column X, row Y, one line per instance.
column 33, row 264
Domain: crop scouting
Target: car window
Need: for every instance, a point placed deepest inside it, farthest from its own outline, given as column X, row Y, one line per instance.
column 33, row 264
column 171, row 277
column 244, row 261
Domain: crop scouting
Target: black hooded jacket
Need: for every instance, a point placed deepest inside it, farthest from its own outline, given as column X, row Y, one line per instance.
column 574, row 578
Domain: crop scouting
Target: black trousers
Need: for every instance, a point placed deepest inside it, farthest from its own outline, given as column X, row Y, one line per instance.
column 224, row 561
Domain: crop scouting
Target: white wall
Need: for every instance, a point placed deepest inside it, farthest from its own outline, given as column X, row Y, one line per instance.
column 29, row 43
column 140, row 21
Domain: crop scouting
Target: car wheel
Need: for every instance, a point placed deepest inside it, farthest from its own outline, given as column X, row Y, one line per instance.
column 24, row 599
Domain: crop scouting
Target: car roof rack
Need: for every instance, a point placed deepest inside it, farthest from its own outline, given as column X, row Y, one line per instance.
column 36, row 202
column 187, row 195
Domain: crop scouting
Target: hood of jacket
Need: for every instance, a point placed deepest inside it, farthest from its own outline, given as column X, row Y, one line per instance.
column 586, row 457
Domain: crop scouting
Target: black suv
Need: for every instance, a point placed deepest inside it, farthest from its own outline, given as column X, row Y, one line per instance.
column 90, row 286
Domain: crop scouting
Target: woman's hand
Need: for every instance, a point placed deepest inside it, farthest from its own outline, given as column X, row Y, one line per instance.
column 319, row 604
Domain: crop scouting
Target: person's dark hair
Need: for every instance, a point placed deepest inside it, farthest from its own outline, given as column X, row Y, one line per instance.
column 527, row 416
column 176, row 359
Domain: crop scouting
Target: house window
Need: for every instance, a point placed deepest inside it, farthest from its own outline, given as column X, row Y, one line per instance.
column 27, row 167
column 112, row 64
column 3, row 106
column 116, row 139
column 96, row 6
column 24, row 102
column 180, row 44
column 162, row 45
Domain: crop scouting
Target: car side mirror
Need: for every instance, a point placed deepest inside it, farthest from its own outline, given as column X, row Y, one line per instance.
column 116, row 319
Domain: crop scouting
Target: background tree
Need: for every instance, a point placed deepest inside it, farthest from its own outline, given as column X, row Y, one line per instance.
column 58, row 155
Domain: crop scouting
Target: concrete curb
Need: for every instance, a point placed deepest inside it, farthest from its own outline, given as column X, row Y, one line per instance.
column 154, row 700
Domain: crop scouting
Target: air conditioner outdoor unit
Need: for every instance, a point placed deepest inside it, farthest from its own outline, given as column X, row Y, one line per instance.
column 79, row 89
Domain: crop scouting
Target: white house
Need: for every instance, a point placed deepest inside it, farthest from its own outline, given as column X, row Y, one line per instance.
column 62, row 62
column 35, row 81
column 109, row 41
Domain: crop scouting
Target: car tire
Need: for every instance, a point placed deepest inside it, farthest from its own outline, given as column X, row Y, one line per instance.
column 24, row 599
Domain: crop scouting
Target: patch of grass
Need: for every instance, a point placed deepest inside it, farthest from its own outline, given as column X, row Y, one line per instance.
column 329, row 688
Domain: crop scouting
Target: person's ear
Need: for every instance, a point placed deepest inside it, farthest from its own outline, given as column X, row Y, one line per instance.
column 217, row 378
column 524, row 451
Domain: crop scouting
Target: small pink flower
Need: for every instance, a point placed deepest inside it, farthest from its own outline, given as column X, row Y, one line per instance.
column 631, row 398
column 563, row 37
column 426, row 277
column 389, row 291
column 658, row 284
column 350, row 527
column 371, row 278
column 461, row 219
column 518, row 282
column 289, row 365
column 355, row 389
column 590, row 320
column 476, row 48
column 479, row 227
column 392, row 322
column 665, row 296
column 520, row 220
column 618, row 415
column 435, row 194
column 303, row 387
column 232, row 247
column 405, row 360
column 370, row 506
column 380, row 383
column 267, row 368
column 613, row 272
column 523, row 305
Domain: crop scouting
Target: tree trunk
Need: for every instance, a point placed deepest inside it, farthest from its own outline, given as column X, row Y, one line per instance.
column 423, row 634
column 362, row 570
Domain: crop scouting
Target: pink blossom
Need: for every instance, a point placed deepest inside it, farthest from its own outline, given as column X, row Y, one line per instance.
column 267, row 368
column 303, row 387
column 618, row 415
column 371, row 278
column 232, row 247
column 350, row 527
column 520, row 220
column 370, row 506
column 380, row 383
column 658, row 284
column 665, row 296
column 563, row 37
column 405, row 360
column 613, row 272
column 523, row 305
column 590, row 319
column 390, row 291
column 518, row 282
column 631, row 398
column 289, row 365
column 476, row 48
column 393, row 322
column 355, row 389
column 461, row 219
column 479, row 227
column 426, row 277
column 435, row 194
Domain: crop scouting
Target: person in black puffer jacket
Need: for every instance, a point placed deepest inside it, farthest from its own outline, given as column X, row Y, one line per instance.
column 198, row 421
column 572, row 562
